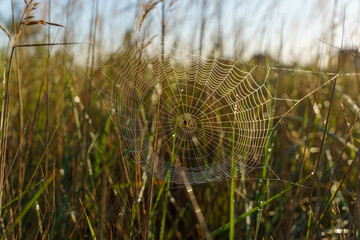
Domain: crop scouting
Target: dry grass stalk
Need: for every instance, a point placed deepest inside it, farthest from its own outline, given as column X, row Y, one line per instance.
column 5, row 31
column 145, row 9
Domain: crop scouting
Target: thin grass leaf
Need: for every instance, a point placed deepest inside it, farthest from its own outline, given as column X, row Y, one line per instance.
column 88, row 221
column 237, row 220
column 335, row 192
column 21, row 195
column 175, row 224
column 258, row 217
column 158, row 197
column 162, row 228
column 308, row 224
column 51, row 44
column 133, row 215
column 42, row 22
column 30, row 204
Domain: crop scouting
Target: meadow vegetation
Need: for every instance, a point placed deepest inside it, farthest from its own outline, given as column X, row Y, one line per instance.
column 65, row 172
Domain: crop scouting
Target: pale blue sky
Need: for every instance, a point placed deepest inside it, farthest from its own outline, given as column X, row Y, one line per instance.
column 259, row 26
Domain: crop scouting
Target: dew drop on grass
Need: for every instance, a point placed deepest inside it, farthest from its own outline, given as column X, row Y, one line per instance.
column 327, row 104
column 77, row 99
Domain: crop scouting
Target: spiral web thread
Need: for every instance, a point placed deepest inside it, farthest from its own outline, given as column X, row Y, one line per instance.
column 206, row 111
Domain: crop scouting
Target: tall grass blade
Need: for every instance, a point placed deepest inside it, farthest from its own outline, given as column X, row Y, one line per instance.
column 162, row 228
column 88, row 221
column 29, row 204
column 238, row 219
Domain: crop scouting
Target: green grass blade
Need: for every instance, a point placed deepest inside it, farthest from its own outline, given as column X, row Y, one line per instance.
column 30, row 204
column 175, row 224
column 21, row 195
column 162, row 228
column 88, row 221
column 133, row 215
column 258, row 223
column 308, row 225
column 158, row 197
column 227, row 226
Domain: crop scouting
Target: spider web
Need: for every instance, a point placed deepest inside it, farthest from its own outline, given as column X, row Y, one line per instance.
column 184, row 117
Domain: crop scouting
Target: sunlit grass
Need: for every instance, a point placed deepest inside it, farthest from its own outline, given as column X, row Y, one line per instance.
column 61, row 149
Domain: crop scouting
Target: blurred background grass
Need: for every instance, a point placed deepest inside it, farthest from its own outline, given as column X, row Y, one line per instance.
column 64, row 174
